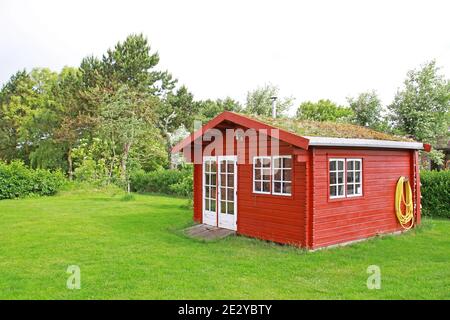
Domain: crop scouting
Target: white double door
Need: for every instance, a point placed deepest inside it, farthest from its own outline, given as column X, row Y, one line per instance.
column 219, row 191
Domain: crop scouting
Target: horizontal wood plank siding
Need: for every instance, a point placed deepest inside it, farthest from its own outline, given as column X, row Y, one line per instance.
column 343, row 220
column 198, row 188
column 269, row 217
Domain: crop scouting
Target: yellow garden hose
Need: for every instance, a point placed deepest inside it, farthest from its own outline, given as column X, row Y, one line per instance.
column 406, row 218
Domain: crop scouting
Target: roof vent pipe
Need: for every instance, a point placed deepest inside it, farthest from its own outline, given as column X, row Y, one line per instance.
column 274, row 107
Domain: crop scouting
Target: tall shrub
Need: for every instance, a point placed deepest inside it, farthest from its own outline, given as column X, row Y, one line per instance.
column 435, row 193
column 17, row 180
column 176, row 182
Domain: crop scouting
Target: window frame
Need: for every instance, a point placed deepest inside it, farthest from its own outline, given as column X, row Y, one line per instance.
column 261, row 170
column 354, row 171
column 271, row 181
column 272, row 177
column 345, row 195
column 337, row 184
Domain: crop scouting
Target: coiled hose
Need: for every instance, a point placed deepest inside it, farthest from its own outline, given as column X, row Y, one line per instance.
column 403, row 195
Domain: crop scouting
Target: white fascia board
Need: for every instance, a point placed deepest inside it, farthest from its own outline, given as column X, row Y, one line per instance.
column 363, row 143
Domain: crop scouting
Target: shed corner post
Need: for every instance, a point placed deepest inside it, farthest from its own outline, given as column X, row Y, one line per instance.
column 417, row 193
column 310, row 200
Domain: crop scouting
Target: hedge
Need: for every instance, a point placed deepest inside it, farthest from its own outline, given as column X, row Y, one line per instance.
column 172, row 182
column 435, row 191
column 17, row 180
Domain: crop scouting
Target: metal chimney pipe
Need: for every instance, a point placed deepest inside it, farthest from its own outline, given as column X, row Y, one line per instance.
column 274, row 107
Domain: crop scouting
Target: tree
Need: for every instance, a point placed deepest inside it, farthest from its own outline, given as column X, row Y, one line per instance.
column 125, row 118
column 323, row 110
column 24, row 118
column 421, row 108
column 259, row 101
column 130, row 64
column 74, row 120
column 367, row 109
column 15, row 98
column 177, row 109
column 208, row 109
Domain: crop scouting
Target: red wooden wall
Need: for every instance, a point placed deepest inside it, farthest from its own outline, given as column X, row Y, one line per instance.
column 198, row 171
column 342, row 220
column 269, row 217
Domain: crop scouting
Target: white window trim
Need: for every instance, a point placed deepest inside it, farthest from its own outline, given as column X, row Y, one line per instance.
column 360, row 177
column 253, row 180
column 337, row 184
column 345, row 195
column 282, row 182
column 272, row 182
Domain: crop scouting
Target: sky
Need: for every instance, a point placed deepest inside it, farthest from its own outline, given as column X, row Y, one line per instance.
column 309, row 49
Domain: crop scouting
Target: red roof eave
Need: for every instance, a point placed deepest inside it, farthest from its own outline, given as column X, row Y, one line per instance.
column 246, row 122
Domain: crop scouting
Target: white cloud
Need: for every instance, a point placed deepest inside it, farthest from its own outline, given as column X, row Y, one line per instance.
column 310, row 49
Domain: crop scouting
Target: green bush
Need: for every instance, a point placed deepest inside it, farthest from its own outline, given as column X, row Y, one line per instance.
column 185, row 187
column 435, row 193
column 17, row 180
column 176, row 182
column 92, row 171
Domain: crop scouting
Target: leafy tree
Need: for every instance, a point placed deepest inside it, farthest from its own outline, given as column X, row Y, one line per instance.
column 421, row 108
column 24, row 118
column 208, row 109
column 132, row 64
column 367, row 109
column 177, row 109
column 323, row 110
column 45, row 116
column 125, row 118
column 15, row 98
column 259, row 101
column 74, row 121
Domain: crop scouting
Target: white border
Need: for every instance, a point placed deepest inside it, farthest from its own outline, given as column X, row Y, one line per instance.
column 282, row 182
column 253, row 169
column 219, row 180
column 343, row 178
column 207, row 158
column 361, row 177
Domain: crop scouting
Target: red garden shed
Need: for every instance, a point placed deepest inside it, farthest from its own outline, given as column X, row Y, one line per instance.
column 302, row 183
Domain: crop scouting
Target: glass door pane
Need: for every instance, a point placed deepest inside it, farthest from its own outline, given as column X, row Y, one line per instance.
column 210, row 185
column 227, row 186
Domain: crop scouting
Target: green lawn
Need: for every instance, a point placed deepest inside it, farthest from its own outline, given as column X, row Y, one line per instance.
column 134, row 250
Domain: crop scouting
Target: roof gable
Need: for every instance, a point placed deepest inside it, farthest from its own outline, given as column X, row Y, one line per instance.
column 247, row 122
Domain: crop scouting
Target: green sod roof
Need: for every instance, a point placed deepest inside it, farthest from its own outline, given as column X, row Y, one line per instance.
column 327, row 129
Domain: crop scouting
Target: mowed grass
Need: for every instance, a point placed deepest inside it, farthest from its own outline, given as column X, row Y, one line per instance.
column 134, row 250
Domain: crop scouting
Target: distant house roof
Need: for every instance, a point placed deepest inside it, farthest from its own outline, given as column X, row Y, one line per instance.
column 303, row 134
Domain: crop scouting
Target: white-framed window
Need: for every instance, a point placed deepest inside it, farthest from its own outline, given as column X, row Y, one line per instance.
column 354, row 177
column 282, row 175
column 345, row 177
column 272, row 175
column 337, row 184
column 261, row 174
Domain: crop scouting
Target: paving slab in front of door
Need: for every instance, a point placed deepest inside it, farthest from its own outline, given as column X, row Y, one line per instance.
column 206, row 232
